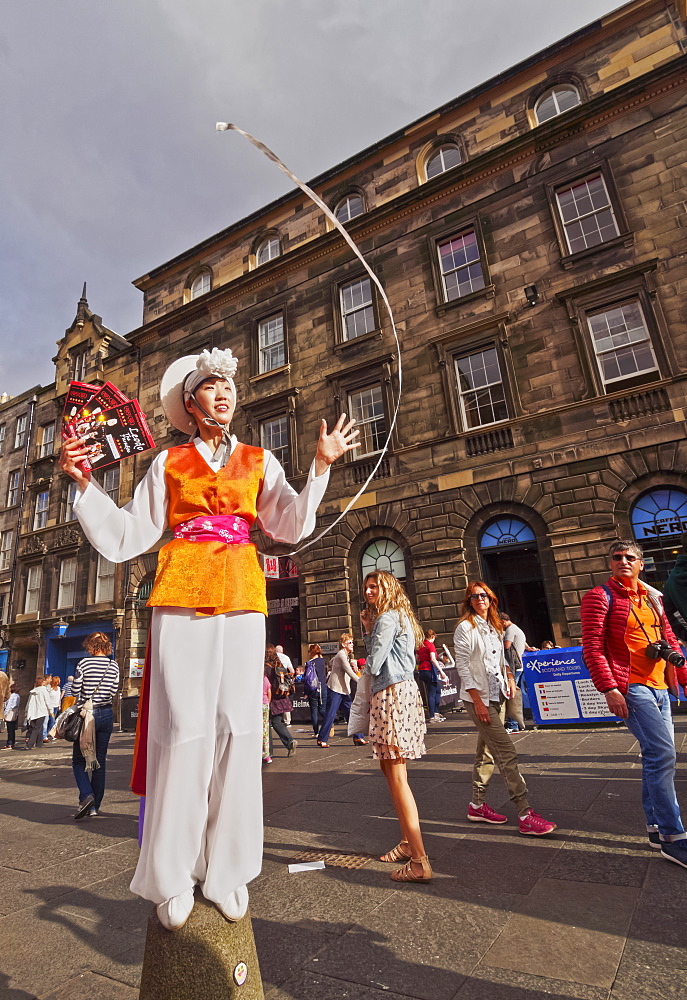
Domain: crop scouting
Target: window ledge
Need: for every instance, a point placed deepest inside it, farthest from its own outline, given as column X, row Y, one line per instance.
column 624, row 240
column 273, row 371
column 487, row 292
column 343, row 345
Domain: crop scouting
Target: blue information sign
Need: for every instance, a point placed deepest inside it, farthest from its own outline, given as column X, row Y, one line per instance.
column 560, row 688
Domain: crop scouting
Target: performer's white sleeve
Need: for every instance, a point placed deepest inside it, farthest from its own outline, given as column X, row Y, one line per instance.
column 121, row 533
column 283, row 514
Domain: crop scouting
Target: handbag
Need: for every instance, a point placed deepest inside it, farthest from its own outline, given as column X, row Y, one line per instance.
column 70, row 722
column 11, row 715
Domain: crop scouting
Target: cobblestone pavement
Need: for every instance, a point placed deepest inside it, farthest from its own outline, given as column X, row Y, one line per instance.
column 591, row 913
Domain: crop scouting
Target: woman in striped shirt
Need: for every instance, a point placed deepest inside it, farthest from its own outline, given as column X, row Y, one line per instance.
column 97, row 677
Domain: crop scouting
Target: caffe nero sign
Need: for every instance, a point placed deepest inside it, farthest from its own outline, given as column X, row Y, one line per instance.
column 660, row 514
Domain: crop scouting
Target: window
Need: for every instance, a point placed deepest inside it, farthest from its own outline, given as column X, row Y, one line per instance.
column 367, row 407
column 40, row 511
column 621, row 342
column 461, row 267
column 268, row 250
column 385, row 555
column 104, row 580
column 4, row 607
column 200, row 285
column 67, row 585
column 110, row 482
column 13, row 488
column 47, row 440
column 586, row 213
column 80, row 363
column 443, row 159
column 274, row 435
column 357, row 310
column 481, row 389
column 20, row 432
column 68, row 497
column 506, row 531
column 271, row 344
column 554, row 102
column 349, row 208
column 33, row 589
column 3, row 432
column 5, row 549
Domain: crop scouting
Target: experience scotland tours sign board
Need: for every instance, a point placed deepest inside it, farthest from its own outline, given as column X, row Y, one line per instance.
column 560, row 688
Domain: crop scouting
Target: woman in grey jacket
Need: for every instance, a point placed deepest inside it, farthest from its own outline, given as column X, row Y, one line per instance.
column 397, row 719
column 486, row 685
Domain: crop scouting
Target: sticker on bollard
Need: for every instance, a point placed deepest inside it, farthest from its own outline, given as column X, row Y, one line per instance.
column 560, row 688
column 240, row 973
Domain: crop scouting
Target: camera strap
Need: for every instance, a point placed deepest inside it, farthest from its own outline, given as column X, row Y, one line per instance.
column 657, row 621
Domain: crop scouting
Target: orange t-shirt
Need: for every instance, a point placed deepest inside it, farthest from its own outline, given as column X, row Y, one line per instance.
column 642, row 669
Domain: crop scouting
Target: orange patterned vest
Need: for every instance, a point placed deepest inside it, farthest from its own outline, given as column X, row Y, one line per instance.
column 211, row 577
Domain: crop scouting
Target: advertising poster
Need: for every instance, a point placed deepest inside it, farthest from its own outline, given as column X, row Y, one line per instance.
column 560, row 688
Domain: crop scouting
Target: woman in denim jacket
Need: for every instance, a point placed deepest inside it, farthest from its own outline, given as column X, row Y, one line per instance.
column 397, row 719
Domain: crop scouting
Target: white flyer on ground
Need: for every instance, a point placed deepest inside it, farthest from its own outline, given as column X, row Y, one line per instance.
column 556, row 700
column 592, row 702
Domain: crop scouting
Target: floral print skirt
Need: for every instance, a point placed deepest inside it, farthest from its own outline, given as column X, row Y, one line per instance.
column 397, row 722
column 265, row 731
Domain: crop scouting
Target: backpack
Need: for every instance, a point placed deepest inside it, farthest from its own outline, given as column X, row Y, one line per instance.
column 310, row 678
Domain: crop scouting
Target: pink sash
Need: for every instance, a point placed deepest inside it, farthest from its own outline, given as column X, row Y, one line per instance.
column 228, row 528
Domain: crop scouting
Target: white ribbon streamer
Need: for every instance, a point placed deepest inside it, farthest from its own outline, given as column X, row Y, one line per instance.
column 224, row 127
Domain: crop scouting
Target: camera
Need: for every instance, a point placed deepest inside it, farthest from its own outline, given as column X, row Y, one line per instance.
column 661, row 650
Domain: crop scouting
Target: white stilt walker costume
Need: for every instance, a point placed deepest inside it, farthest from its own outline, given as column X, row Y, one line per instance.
column 203, row 821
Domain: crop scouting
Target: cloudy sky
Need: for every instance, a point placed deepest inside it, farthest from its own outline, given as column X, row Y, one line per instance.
column 109, row 162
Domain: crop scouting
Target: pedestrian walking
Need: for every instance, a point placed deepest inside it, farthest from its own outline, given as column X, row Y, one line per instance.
column 281, row 683
column 315, row 685
column 11, row 711
column 397, row 722
column 55, row 696
column 431, row 673
column 67, row 697
column 341, row 673
column 286, row 662
column 266, row 696
column 486, row 684
column 4, row 693
column 36, row 713
column 514, row 644
column 633, row 656
column 95, row 684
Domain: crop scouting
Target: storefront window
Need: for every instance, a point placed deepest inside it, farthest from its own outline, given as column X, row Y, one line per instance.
column 658, row 519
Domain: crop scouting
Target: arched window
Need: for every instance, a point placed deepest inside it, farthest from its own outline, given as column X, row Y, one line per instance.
column 555, row 101
column 268, row 250
column 349, row 208
column 200, row 285
column 506, row 531
column 442, row 159
column 659, row 518
column 383, row 554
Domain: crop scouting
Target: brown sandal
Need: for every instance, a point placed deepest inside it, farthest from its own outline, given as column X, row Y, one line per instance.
column 406, row 874
column 396, row 854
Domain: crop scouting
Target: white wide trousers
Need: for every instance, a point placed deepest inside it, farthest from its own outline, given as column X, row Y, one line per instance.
column 203, row 817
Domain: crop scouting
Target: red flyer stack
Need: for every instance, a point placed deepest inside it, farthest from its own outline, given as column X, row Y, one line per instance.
column 112, row 425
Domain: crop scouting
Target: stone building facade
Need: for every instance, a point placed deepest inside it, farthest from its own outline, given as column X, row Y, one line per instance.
column 530, row 236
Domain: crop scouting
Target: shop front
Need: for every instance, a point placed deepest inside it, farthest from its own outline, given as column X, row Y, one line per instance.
column 63, row 652
column 283, row 605
column 659, row 518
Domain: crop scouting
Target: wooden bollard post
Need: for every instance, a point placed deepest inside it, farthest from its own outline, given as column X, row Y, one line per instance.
column 209, row 957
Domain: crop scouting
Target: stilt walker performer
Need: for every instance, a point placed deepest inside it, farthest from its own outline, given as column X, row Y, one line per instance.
column 201, row 759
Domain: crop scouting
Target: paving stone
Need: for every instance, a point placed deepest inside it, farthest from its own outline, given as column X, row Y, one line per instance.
column 573, row 932
column 414, row 955
column 90, row 986
column 503, row 984
column 315, row 986
column 473, row 863
column 597, row 866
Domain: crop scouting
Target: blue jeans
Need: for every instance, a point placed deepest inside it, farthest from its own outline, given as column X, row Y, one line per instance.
column 650, row 722
column 334, row 700
column 318, row 707
column 94, row 784
column 433, row 689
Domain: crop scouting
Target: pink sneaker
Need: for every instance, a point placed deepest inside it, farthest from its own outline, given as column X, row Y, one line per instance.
column 535, row 825
column 485, row 814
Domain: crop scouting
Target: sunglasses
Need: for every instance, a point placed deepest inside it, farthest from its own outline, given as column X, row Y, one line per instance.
column 620, row 556
column 479, row 597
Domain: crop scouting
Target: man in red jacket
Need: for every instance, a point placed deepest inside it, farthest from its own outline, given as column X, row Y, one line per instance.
column 620, row 622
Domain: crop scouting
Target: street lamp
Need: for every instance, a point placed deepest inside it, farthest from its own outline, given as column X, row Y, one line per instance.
column 61, row 627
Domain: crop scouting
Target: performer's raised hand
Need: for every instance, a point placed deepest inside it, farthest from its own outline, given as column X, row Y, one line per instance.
column 334, row 445
column 72, row 453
